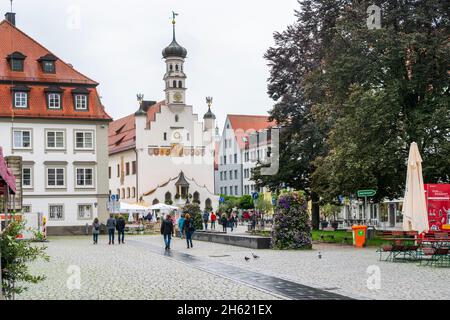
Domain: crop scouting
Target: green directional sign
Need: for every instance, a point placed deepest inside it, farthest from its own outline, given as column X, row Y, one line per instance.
column 366, row 193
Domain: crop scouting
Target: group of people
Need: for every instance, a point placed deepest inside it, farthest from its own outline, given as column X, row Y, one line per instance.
column 185, row 226
column 113, row 225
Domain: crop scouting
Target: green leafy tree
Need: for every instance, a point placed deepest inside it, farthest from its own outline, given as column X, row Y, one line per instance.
column 384, row 90
column 15, row 254
column 246, row 202
column 195, row 212
column 298, row 53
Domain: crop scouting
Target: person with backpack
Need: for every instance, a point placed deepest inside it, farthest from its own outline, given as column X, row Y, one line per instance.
column 224, row 221
column 189, row 229
column 167, row 230
column 95, row 230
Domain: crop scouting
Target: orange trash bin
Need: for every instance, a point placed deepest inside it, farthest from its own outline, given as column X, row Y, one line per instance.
column 359, row 235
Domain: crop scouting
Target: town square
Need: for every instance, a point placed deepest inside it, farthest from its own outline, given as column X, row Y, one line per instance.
column 253, row 151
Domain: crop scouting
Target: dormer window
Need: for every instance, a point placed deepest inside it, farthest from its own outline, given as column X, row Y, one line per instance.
column 80, row 102
column 16, row 61
column 81, row 99
column 48, row 63
column 20, row 97
column 54, row 98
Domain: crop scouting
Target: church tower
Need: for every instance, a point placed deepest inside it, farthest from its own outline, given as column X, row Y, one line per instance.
column 175, row 78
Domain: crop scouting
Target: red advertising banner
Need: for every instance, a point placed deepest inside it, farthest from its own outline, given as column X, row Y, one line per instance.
column 438, row 206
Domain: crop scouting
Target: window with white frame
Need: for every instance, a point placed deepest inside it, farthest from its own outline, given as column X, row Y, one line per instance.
column 54, row 101
column 55, row 139
column 22, row 139
column 27, row 177
column 81, row 102
column 21, row 100
column 56, row 212
column 84, row 140
column 84, row 211
column 85, row 177
column 56, row 177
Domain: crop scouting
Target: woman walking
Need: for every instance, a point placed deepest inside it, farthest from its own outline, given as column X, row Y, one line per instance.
column 95, row 230
column 188, row 228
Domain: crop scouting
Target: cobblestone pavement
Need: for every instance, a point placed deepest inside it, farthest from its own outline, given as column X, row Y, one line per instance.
column 342, row 269
column 127, row 272
column 131, row 272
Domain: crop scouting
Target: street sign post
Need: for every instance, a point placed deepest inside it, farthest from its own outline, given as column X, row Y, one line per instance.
column 364, row 194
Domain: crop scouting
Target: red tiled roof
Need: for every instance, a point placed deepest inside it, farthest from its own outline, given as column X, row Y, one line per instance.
column 243, row 125
column 122, row 132
column 66, row 77
column 12, row 39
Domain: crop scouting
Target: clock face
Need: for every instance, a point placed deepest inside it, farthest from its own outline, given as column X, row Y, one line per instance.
column 177, row 97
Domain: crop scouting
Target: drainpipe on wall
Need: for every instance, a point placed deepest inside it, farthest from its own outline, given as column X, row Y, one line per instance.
column 137, row 176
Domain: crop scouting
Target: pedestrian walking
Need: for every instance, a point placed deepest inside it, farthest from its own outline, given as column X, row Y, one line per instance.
column 206, row 219
column 167, row 230
column 224, row 221
column 231, row 221
column 189, row 229
column 213, row 221
column 111, row 226
column 120, row 226
column 180, row 226
column 95, row 230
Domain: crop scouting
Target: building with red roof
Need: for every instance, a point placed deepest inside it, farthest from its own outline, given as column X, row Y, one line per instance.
column 51, row 115
column 233, row 176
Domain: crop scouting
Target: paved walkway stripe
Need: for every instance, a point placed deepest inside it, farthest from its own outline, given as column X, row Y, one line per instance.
column 281, row 287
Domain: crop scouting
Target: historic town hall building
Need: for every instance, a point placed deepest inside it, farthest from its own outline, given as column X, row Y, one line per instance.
column 51, row 116
column 163, row 153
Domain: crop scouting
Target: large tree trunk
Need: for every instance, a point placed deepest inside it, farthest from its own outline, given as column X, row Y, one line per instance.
column 315, row 211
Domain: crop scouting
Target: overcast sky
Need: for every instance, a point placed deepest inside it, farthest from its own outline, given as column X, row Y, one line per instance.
column 119, row 44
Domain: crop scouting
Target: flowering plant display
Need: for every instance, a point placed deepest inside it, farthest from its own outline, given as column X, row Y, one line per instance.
column 292, row 226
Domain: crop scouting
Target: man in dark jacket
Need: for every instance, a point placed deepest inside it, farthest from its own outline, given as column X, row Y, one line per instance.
column 111, row 226
column 206, row 219
column 120, row 225
column 167, row 230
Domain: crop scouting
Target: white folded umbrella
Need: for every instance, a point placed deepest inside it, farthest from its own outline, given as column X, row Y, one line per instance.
column 415, row 216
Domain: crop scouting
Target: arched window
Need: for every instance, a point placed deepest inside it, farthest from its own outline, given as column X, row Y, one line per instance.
column 128, row 193
column 156, row 201
column 208, row 205
column 180, row 84
column 123, row 193
column 133, row 190
column 174, row 83
column 176, row 67
column 177, row 118
column 171, row 67
column 118, row 192
column 168, row 198
column 196, row 197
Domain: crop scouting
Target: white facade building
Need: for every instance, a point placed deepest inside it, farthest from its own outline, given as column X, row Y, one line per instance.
column 163, row 153
column 52, row 117
column 234, row 169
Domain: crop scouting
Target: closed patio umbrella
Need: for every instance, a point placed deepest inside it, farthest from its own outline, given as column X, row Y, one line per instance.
column 415, row 217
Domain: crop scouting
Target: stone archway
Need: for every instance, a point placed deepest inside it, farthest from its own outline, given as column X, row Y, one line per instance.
column 156, row 201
